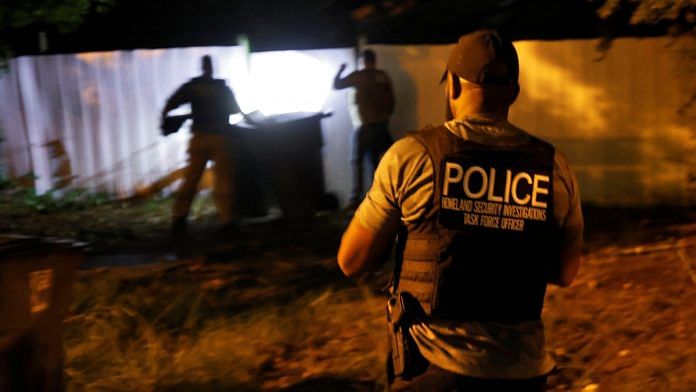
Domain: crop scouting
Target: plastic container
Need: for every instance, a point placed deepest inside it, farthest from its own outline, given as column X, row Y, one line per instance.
column 36, row 280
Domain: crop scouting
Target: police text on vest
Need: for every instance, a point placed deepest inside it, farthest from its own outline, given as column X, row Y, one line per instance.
column 455, row 174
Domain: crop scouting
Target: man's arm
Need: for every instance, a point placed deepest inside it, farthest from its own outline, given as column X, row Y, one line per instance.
column 568, row 267
column 231, row 102
column 568, row 211
column 571, row 248
column 180, row 96
column 361, row 249
column 339, row 82
column 403, row 170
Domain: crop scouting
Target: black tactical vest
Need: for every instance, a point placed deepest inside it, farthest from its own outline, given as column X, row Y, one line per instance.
column 485, row 249
column 210, row 104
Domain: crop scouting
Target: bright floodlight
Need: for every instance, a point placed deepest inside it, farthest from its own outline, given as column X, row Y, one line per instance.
column 288, row 81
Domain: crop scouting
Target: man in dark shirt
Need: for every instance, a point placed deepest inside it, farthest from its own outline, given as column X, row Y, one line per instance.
column 375, row 100
column 212, row 102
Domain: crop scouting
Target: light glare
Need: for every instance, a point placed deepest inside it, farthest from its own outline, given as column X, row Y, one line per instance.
column 288, row 81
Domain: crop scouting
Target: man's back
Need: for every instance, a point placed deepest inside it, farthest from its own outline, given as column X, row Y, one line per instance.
column 403, row 191
column 403, row 194
column 211, row 101
column 373, row 94
column 474, row 203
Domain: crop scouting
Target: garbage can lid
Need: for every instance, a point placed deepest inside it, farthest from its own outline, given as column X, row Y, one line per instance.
column 15, row 243
column 256, row 119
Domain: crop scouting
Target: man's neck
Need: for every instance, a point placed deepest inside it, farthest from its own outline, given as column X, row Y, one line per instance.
column 475, row 100
column 463, row 111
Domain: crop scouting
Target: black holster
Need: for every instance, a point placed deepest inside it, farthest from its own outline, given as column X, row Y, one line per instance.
column 406, row 360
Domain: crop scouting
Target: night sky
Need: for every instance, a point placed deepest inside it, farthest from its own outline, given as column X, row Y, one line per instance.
column 309, row 24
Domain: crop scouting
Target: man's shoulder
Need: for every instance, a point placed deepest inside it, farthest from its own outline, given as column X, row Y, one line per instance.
column 407, row 148
column 370, row 74
column 523, row 135
column 383, row 72
column 202, row 80
column 534, row 138
column 202, row 85
column 559, row 158
column 412, row 147
column 428, row 129
column 428, row 133
column 380, row 76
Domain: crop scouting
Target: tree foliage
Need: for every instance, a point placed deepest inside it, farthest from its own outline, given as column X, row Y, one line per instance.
column 680, row 14
column 63, row 15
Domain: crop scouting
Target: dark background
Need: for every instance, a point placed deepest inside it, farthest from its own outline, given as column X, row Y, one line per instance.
column 306, row 24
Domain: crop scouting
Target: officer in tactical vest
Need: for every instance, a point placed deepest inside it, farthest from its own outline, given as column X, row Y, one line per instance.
column 212, row 102
column 484, row 215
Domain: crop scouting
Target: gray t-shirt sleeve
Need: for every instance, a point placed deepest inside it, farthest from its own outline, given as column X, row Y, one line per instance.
column 402, row 188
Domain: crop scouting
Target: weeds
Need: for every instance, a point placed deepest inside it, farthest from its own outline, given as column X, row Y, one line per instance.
column 19, row 192
column 61, row 200
column 159, row 331
column 272, row 311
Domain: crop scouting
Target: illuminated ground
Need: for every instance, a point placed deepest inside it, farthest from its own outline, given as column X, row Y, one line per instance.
column 267, row 309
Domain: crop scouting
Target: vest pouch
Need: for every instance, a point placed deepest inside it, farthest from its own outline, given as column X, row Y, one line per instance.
column 406, row 360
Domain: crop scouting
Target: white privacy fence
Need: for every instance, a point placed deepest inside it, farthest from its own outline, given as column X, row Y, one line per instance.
column 95, row 116
column 617, row 119
column 100, row 111
column 103, row 108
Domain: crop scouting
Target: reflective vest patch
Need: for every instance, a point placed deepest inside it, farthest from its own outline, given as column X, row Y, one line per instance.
column 494, row 191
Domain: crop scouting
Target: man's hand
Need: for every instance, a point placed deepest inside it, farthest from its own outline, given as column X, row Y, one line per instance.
column 339, row 82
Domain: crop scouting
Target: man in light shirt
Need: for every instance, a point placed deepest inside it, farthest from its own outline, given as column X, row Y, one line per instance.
column 374, row 98
column 485, row 216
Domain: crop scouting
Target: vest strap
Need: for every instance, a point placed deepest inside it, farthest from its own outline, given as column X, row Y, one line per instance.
column 424, row 266
column 413, row 286
column 425, row 249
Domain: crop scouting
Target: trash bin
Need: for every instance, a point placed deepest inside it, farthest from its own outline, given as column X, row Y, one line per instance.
column 36, row 279
column 287, row 156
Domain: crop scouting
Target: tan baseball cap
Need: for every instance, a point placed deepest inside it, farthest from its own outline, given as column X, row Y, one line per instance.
column 484, row 57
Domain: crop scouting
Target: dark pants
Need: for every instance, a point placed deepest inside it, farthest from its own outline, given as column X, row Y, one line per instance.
column 371, row 140
column 435, row 379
